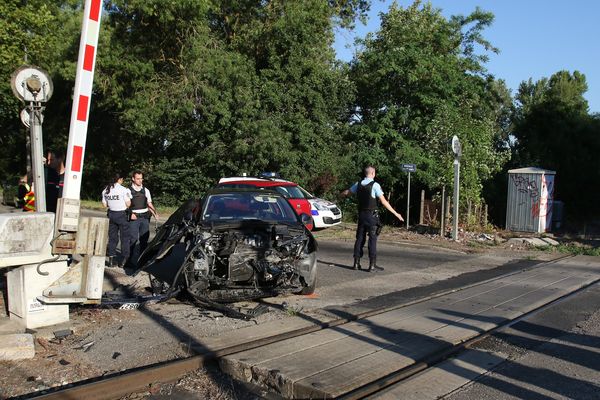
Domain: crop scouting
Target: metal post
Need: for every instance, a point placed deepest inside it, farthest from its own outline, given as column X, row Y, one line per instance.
column 408, row 202
column 422, row 213
column 443, row 213
column 37, row 147
column 456, row 202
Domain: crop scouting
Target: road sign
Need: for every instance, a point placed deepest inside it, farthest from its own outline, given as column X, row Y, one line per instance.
column 456, row 147
column 408, row 167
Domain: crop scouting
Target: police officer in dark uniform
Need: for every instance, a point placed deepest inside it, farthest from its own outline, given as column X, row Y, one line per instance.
column 141, row 211
column 117, row 198
column 367, row 192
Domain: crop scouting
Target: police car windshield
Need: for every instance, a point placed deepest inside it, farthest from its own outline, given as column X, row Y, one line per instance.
column 245, row 206
column 287, row 191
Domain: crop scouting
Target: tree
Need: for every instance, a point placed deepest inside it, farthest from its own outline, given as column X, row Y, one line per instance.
column 31, row 33
column 420, row 80
column 553, row 130
column 226, row 88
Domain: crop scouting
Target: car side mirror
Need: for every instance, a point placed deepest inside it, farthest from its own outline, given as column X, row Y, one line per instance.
column 306, row 219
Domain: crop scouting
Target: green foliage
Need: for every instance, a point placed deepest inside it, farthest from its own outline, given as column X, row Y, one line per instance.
column 419, row 82
column 573, row 249
column 193, row 90
column 28, row 36
column 553, row 130
column 199, row 90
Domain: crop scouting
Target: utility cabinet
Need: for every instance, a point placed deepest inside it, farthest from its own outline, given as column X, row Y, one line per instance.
column 530, row 200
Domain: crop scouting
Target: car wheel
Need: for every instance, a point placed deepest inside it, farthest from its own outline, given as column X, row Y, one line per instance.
column 310, row 289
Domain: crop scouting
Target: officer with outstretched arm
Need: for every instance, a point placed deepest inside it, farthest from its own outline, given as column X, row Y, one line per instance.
column 368, row 192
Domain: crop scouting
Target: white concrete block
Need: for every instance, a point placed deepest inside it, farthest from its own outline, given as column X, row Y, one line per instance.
column 550, row 241
column 25, row 238
column 17, row 346
column 8, row 326
column 25, row 284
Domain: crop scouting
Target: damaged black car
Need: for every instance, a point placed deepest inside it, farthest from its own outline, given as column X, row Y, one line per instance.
column 232, row 245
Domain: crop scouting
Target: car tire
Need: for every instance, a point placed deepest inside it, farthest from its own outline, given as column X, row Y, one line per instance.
column 310, row 289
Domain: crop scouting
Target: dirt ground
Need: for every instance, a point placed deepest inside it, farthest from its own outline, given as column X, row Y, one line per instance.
column 106, row 340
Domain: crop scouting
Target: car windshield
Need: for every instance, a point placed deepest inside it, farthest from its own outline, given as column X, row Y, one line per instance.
column 306, row 193
column 292, row 192
column 287, row 191
column 244, row 206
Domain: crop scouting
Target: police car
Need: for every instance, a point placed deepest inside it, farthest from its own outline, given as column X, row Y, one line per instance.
column 294, row 194
column 325, row 213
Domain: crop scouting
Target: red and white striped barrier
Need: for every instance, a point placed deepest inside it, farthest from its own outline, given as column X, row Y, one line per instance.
column 82, row 98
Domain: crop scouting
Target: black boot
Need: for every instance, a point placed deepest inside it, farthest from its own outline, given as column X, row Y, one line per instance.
column 372, row 264
column 356, row 265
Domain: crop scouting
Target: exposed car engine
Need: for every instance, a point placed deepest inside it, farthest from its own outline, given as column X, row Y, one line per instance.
column 225, row 259
column 254, row 262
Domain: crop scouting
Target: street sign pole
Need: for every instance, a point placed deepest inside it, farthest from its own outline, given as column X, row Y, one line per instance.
column 456, row 197
column 408, row 168
column 408, row 202
column 457, row 150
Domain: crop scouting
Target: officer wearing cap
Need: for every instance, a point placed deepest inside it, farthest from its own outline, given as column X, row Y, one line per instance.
column 368, row 192
column 117, row 199
column 141, row 211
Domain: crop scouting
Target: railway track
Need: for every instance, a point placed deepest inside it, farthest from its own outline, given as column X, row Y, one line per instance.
column 132, row 381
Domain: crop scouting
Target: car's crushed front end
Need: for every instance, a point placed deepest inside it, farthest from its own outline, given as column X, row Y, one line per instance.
column 233, row 245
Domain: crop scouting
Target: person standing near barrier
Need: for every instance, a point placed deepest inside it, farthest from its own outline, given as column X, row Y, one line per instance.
column 55, row 178
column 141, row 210
column 29, row 195
column 22, row 190
column 368, row 192
column 117, row 199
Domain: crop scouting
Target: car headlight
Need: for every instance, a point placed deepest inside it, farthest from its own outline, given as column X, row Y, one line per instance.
column 321, row 207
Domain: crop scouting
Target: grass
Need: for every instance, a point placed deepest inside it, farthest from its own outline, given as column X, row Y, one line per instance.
column 163, row 212
column 573, row 249
column 341, row 231
column 92, row 205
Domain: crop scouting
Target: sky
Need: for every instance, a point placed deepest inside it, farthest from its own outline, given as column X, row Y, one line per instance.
column 536, row 38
